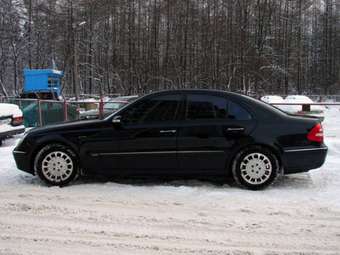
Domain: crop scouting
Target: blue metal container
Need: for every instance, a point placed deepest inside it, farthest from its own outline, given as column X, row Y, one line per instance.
column 42, row 81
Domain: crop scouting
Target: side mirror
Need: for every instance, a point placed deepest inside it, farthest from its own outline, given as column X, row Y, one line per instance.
column 117, row 120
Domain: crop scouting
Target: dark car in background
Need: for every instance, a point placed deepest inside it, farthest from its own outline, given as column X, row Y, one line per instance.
column 109, row 107
column 182, row 134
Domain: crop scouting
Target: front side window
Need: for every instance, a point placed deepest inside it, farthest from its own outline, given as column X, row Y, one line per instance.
column 200, row 107
column 156, row 109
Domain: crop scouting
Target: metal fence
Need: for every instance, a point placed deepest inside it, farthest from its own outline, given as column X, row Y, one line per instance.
column 39, row 112
column 321, row 98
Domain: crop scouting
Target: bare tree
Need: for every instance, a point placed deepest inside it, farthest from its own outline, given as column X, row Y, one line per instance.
column 262, row 46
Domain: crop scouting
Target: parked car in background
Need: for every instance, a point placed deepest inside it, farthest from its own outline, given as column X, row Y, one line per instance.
column 110, row 107
column 128, row 98
column 315, row 110
column 182, row 134
column 11, row 121
column 271, row 99
column 299, row 100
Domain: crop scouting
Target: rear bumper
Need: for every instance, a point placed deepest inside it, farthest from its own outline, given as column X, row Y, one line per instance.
column 22, row 161
column 296, row 160
column 12, row 131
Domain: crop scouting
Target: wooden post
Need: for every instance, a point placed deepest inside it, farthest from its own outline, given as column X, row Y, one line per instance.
column 65, row 111
column 101, row 108
column 306, row 107
column 40, row 114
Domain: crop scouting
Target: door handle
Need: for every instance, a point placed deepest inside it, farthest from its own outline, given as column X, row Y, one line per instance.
column 235, row 129
column 170, row 131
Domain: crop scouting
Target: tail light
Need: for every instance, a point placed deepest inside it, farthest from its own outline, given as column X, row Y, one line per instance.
column 316, row 134
column 17, row 121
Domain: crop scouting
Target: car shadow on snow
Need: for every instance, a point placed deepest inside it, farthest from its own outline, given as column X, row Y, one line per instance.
column 296, row 181
column 175, row 182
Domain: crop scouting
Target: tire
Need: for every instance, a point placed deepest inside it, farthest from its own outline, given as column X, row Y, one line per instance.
column 56, row 165
column 255, row 168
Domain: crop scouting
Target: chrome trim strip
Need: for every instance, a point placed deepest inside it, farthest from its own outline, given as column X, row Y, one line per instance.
column 190, row 152
column 150, row 152
column 19, row 152
column 310, row 149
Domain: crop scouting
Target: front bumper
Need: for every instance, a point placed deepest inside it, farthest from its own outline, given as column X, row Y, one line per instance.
column 297, row 160
column 23, row 162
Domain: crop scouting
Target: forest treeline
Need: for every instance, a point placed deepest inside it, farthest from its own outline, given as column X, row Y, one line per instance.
column 137, row 46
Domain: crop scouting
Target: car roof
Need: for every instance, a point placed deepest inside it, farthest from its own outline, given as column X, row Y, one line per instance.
column 203, row 91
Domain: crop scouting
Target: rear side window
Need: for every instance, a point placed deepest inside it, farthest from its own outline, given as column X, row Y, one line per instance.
column 156, row 109
column 237, row 112
column 200, row 107
column 206, row 107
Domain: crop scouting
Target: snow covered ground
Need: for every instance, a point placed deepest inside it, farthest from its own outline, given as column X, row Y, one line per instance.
column 298, row 215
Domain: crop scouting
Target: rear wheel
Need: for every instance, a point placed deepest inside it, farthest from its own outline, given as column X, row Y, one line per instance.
column 255, row 168
column 56, row 164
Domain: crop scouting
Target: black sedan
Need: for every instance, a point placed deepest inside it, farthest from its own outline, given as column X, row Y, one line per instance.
column 182, row 134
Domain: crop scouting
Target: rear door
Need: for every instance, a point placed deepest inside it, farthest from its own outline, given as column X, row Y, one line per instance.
column 212, row 125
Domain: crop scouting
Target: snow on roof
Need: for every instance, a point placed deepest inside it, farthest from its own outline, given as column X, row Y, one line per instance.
column 298, row 99
column 271, row 99
column 10, row 110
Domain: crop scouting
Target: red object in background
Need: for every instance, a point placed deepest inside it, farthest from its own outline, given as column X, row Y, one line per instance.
column 17, row 121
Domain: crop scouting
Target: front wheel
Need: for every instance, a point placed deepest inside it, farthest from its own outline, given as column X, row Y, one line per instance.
column 255, row 168
column 56, row 164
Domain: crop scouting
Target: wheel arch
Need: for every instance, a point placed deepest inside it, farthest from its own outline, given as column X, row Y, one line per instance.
column 236, row 151
column 55, row 139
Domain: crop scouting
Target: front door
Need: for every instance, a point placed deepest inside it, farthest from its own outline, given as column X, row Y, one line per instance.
column 148, row 136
